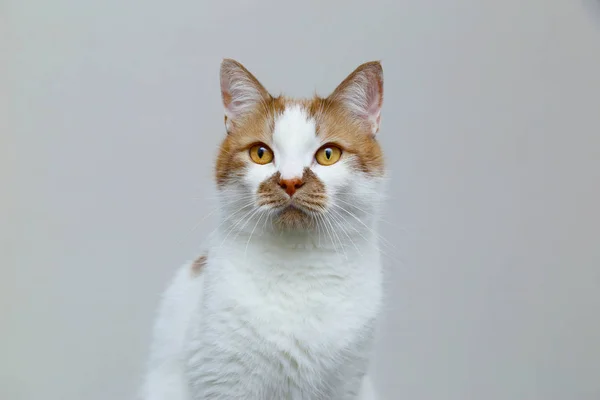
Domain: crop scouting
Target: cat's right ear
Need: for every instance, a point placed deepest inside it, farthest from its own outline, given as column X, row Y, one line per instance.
column 241, row 92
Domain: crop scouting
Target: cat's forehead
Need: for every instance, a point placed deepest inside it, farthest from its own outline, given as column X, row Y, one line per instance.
column 294, row 139
column 294, row 129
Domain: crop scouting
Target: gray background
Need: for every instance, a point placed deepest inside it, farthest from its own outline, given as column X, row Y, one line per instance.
column 491, row 126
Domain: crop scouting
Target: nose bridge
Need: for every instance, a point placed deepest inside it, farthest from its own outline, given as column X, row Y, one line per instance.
column 291, row 168
column 294, row 135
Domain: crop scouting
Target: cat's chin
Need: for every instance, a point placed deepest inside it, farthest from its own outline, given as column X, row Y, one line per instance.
column 293, row 218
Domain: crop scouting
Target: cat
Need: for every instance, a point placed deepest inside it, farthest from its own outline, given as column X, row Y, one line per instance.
column 283, row 301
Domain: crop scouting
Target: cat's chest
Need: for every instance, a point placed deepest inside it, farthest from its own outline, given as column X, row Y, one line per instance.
column 299, row 345
column 319, row 302
column 302, row 296
column 293, row 320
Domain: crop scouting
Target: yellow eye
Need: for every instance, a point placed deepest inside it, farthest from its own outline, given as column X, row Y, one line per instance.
column 261, row 154
column 328, row 155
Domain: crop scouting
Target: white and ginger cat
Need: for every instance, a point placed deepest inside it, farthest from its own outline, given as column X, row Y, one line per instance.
column 282, row 302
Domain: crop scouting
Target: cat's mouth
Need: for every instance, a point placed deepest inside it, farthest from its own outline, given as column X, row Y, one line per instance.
column 308, row 206
column 293, row 217
column 298, row 210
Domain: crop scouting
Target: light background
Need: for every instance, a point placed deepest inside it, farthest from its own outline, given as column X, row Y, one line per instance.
column 491, row 126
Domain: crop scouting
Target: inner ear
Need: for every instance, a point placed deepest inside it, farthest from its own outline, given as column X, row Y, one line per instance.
column 241, row 92
column 361, row 94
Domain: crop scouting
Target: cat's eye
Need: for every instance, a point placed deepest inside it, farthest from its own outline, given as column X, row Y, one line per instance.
column 328, row 155
column 261, row 154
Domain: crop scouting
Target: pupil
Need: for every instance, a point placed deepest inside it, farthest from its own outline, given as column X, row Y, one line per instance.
column 328, row 153
column 260, row 152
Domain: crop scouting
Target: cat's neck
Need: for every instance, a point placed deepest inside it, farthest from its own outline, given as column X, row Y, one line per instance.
column 300, row 256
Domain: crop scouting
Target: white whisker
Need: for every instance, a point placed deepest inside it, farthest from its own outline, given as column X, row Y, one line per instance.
column 344, row 231
column 235, row 225
column 337, row 237
column 366, row 226
column 251, row 233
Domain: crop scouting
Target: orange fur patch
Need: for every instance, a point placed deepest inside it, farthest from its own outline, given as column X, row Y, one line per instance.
column 335, row 125
column 198, row 265
column 255, row 127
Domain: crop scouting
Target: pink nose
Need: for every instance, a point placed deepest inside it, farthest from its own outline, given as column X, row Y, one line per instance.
column 291, row 185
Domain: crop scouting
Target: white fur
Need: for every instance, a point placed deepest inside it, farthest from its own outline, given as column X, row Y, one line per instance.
column 274, row 315
column 294, row 141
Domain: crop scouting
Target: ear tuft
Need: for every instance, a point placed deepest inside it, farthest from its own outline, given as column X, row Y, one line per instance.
column 241, row 92
column 361, row 94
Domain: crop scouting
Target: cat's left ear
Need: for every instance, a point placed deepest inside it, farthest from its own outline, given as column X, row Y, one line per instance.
column 241, row 92
column 361, row 94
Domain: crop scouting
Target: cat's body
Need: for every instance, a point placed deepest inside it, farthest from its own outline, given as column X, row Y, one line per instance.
column 297, row 324
column 282, row 304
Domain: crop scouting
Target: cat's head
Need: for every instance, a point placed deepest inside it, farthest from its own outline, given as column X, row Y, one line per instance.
column 300, row 164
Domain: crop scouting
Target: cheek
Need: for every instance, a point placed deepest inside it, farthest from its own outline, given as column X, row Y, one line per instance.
column 334, row 176
column 256, row 174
